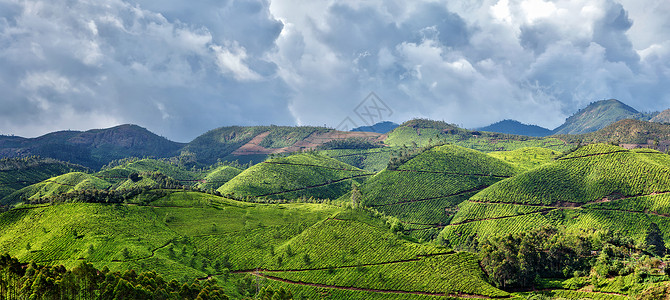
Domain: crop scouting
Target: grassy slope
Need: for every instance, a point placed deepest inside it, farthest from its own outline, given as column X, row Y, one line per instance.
column 373, row 160
column 591, row 173
column 120, row 173
column 221, row 142
column 59, row 184
column 217, row 177
column 422, row 191
column 423, row 132
column 188, row 235
column 524, row 159
column 625, row 131
column 288, row 177
column 595, row 187
column 17, row 173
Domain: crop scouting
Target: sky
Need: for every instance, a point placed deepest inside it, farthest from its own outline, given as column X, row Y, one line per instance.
column 181, row 68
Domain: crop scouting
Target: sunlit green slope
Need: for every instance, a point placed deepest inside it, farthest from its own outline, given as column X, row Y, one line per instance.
column 57, row 185
column 300, row 175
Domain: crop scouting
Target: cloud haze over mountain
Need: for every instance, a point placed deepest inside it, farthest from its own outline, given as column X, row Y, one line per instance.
column 180, row 68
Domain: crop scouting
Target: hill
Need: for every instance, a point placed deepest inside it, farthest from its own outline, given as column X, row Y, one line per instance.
column 628, row 133
column 255, row 143
column 598, row 115
column 17, row 173
column 422, row 132
column 217, row 177
column 92, row 148
column 574, row 191
column 662, row 117
column 300, row 175
column 57, row 185
column 524, row 159
column 516, row 127
column 381, row 127
column 423, row 190
column 121, row 173
column 308, row 249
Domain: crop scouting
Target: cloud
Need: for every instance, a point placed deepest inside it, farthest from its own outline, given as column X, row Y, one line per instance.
column 182, row 68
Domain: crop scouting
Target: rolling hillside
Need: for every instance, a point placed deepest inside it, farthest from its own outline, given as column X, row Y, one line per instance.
column 309, row 249
column 421, row 132
column 300, row 175
column 423, row 191
column 57, row 185
column 17, row 173
column 598, row 186
column 120, row 173
column 628, row 133
column 217, row 177
column 598, row 115
column 662, row 117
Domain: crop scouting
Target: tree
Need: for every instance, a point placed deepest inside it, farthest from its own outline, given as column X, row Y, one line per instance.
column 654, row 240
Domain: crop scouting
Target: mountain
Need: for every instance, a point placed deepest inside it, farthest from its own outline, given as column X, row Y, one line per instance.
column 255, row 143
column 662, row 117
column 381, row 127
column 627, row 133
column 516, row 127
column 598, row 115
column 92, row 148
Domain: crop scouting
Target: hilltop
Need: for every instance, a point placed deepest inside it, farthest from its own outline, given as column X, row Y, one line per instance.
column 300, row 175
column 381, row 127
column 516, row 127
column 92, row 148
column 598, row 115
column 662, row 117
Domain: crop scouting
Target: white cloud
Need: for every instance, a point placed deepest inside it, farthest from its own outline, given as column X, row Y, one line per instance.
column 181, row 68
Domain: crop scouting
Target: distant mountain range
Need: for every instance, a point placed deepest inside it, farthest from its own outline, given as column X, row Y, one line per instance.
column 593, row 117
column 516, row 127
column 381, row 127
column 96, row 148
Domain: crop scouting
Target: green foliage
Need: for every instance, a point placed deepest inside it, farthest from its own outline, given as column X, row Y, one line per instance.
column 217, row 177
column 292, row 177
column 373, row 160
column 356, row 143
column 17, row 173
column 86, row 282
column 524, row 159
column 589, row 174
column 75, row 181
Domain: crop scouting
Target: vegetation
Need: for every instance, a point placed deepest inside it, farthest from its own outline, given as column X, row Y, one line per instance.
column 598, row 115
column 292, row 177
column 17, row 173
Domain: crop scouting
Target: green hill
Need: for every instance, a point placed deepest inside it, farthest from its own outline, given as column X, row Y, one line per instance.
column 524, row 159
column 56, row 185
column 422, row 191
column 17, row 173
column 373, row 160
column 93, row 148
column 120, row 173
column 421, row 133
column 597, row 186
column 189, row 235
column 598, row 115
column 217, row 177
column 625, row 132
column 295, row 176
